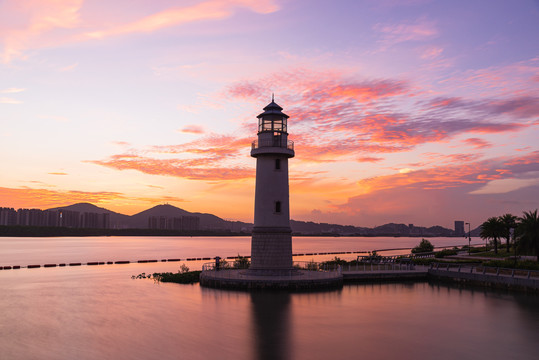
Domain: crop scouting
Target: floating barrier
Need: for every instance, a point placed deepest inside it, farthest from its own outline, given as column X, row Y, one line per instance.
column 94, row 263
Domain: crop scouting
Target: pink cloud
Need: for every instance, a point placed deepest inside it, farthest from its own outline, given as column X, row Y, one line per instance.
column 370, row 159
column 29, row 20
column 34, row 24
column 193, row 129
column 205, row 10
column 334, row 116
column 477, row 143
column 432, row 52
column 419, row 30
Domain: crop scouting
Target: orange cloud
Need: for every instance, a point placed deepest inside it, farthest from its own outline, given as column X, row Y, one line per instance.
column 193, row 169
column 454, row 173
column 43, row 198
column 477, row 143
column 40, row 198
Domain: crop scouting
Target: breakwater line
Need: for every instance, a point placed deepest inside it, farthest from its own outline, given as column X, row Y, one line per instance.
column 94, row 263
column 205, row 258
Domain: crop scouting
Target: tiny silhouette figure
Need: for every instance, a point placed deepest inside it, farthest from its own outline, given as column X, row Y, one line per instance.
column 217, row 259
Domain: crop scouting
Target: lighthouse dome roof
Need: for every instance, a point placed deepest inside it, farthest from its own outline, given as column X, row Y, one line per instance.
column 273, row 109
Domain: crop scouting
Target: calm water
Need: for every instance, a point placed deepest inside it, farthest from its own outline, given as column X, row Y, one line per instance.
column 100, row 312
column 24, row 251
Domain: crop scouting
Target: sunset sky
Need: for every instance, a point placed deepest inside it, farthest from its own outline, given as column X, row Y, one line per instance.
column 407, row 111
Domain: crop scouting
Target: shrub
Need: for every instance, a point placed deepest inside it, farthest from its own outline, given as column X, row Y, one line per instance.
column 312, row 266
column 445, row 252
column 188, row 277
column 424, row 246
column 241, row 262
column 423, row 261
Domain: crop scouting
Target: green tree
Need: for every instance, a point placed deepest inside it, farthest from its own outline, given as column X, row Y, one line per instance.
column 509, row 221
column 492, row 229
column 528, row 232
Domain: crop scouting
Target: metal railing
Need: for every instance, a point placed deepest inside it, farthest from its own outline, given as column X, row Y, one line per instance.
column 381, row 266
column 486, row 270
column 289, row 144
column 298, row 265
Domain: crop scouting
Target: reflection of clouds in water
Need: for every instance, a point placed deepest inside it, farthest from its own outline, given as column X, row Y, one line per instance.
column 271, row 325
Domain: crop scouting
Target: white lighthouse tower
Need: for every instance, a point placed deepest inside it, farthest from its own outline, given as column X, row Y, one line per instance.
column 271, row 244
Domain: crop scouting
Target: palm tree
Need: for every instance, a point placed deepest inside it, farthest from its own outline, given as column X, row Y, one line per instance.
column 528, row 232
column 492, row 229
column 509, row 222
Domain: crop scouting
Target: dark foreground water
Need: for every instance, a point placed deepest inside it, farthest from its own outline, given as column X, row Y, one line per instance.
column 101, row 313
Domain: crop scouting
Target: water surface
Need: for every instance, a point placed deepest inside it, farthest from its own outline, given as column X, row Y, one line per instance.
column 100, row 312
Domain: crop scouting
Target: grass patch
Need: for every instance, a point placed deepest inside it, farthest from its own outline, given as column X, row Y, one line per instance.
column 502, row 253
column 445, row 252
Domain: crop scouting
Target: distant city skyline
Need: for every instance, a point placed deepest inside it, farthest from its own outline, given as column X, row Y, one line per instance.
column 417, row 112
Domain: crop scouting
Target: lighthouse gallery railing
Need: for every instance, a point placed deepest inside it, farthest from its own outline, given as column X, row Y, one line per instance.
column 276, row 142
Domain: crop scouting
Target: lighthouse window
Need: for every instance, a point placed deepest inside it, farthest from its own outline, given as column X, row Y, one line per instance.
column 277, row 164
column 277, row 206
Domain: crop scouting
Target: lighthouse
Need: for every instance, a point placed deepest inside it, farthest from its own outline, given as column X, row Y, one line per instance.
column 271, row 243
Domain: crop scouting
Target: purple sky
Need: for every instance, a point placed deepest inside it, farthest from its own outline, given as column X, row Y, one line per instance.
column 419, row 112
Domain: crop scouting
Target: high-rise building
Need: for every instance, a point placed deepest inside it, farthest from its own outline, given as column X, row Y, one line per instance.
column 459, row 228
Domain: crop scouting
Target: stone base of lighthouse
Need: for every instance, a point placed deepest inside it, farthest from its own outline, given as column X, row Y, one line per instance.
column 271, row 251
column 272, row 268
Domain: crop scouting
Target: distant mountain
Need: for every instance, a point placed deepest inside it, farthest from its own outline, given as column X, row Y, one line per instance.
column 212, row 222
column 207, row 221
column 140, row 220
column 117, row 220
column 309, row 227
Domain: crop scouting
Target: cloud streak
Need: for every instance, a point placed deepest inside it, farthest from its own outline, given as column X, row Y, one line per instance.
column 205, row 10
